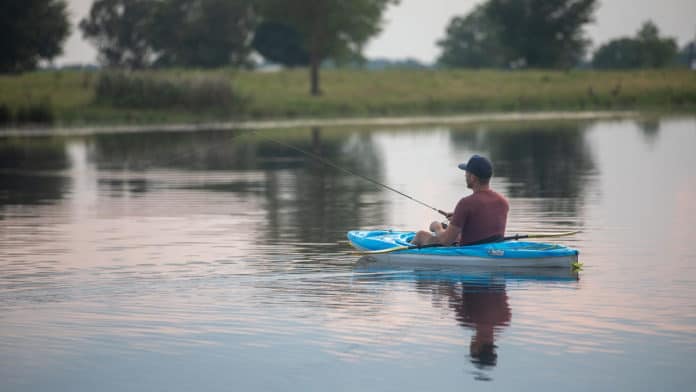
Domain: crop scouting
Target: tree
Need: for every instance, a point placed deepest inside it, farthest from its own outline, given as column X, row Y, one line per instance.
column 335, row 29
column 646, row 50
column 657, row 52
column 202, row 33
column 687, row 56
column 119, row 30
column 31, row 31
column 139, row 33
column 517, row 33
column 623, row 53
column 280, row 43
column 542, row 33
column 472, row 42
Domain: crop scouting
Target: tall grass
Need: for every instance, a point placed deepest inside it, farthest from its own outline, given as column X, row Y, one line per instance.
column 149, row 90
column 33, row 113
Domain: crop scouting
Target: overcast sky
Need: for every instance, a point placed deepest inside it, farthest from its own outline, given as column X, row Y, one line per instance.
column 412, row 28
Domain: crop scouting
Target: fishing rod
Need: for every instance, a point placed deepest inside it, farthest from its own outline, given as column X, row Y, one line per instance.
column 329, row 163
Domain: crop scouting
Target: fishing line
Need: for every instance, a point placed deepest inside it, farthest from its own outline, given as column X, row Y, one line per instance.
column 329, row 163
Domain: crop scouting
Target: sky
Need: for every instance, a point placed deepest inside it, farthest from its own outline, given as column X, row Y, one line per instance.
column 412, row 28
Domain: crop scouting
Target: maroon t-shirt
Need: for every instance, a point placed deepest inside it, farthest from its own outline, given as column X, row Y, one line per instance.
column 481, row 215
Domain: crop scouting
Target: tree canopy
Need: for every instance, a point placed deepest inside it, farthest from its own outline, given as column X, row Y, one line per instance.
column 472, row 41
column 119, row 30
column 515, row 33
column 280, row 43
column 202, row 33
column 329, row 29
column 646, row 50
column 31, row 31
column 198, row 33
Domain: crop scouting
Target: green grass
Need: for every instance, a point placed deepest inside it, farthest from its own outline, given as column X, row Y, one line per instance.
column 351, row 93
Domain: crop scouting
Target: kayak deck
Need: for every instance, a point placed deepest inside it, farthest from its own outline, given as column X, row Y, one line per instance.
column 500, row 254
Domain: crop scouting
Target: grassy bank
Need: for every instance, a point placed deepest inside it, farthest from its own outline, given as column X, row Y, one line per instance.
column 70, row 95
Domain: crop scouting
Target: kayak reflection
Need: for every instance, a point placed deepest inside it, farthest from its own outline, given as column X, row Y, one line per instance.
column 477, row 296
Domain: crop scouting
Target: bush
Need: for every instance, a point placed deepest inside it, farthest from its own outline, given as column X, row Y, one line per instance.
column 150, row 91
column 35, row 113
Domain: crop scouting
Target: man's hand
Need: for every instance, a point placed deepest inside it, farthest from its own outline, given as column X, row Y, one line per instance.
column 436, row 227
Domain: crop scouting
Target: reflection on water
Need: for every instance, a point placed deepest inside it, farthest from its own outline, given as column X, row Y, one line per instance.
column 482, row 308
column 221, row 257
column 28, row 180
column 476, row 297
column 547, row 162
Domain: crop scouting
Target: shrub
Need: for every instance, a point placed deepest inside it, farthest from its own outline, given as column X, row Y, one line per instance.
column 5, row 115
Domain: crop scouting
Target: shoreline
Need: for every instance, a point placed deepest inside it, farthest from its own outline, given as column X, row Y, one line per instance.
column 314, row 122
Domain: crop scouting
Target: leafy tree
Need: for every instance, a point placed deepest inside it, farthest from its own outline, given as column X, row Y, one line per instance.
column 646, row 50
column 30, row 31
column 280, row 43
column 472, row 42
column 139, row 33
column 202, row 33
column 621, row 53
column 119, row 30
column 516, row 33
column 542, row 33
column 329, row 29
column 657, row 52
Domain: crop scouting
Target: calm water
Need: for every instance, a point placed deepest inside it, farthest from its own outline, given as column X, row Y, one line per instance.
column 217, row 261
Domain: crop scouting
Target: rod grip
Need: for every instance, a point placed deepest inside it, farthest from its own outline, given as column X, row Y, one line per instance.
column 443, row 213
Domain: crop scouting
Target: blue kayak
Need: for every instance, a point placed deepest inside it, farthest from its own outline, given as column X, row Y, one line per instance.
column 380, row 244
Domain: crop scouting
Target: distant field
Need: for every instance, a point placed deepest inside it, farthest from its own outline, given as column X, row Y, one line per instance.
column 70, row 95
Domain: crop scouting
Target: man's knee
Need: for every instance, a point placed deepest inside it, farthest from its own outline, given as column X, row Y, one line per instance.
column 422, row 238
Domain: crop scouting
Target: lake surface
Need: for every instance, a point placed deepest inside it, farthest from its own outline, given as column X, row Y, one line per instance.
column 217, row 261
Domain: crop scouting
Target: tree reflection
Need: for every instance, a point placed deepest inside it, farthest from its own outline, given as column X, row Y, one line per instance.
column 650, row 127
column 195, row 150
column 551, row 162
column 539, row 161
column 322, row 202
column 304, row 199
column 28, row 171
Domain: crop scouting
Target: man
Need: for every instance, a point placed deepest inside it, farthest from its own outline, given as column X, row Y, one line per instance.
column 478, row 218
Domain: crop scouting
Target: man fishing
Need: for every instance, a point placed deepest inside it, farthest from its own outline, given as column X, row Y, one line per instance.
column 478, row 218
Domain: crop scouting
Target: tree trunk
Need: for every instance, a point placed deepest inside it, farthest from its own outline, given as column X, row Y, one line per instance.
column 314, row 75
column 315, row 50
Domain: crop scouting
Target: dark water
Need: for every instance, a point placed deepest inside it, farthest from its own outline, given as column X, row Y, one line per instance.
column 217, row 261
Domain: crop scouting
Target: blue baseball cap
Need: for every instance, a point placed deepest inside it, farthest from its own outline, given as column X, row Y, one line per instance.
column 479, row 166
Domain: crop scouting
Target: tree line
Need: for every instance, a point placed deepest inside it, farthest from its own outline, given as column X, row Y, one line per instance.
column 135, row 34
column 549, row 34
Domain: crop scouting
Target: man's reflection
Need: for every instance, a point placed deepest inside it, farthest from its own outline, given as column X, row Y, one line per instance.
column 482, row 308
column 478, row 299
column 478, row 305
